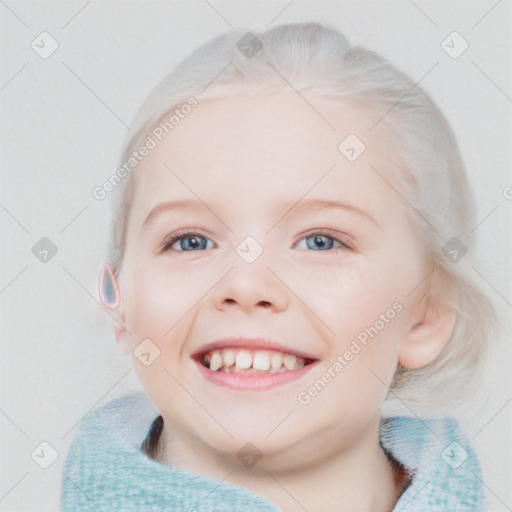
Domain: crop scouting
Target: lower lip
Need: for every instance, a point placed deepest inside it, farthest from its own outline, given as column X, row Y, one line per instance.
column 252, row 381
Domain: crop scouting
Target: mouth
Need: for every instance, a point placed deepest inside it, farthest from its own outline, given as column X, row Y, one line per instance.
column 251, row 368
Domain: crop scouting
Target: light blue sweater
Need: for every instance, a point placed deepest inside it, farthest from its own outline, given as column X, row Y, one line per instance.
column 106, row 470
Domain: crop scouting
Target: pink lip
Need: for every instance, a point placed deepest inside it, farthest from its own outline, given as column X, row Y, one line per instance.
column 251, row 381
column 250, row 344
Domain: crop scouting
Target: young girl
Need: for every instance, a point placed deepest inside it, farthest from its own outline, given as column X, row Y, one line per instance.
column 289, row 255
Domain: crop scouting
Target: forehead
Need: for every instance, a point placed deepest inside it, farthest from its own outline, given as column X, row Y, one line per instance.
column 250, row 149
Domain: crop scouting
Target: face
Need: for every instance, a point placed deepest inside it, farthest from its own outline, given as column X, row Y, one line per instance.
column 253, row 239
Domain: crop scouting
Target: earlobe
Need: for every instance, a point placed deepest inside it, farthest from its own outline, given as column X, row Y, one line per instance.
column 109, row 290
column 429, row 335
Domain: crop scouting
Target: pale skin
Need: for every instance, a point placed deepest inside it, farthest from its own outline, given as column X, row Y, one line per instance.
column 250, row 160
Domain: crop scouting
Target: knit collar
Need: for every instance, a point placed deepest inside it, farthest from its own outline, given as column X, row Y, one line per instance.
column 435, row 450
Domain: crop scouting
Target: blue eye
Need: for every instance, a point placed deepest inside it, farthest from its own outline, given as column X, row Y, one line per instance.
column 323, row 241
column 189, row 241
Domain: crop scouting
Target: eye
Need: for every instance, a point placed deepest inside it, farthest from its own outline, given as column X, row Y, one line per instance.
column 190, row 242
column 324, row 240
column 186, row 242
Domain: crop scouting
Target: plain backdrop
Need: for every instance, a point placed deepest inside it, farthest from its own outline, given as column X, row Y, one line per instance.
column 63, row 122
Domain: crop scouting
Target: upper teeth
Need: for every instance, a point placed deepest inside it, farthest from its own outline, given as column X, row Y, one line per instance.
column 232, row 360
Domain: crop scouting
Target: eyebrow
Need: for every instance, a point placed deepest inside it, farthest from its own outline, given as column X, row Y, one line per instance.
column 319, row 204
column 303, row 205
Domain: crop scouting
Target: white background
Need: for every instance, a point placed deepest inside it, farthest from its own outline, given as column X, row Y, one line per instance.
column 63, row 122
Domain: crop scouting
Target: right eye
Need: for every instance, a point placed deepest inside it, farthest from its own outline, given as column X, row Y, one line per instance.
column 186, row 242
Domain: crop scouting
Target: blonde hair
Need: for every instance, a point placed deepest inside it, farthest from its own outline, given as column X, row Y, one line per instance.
column 318, row 62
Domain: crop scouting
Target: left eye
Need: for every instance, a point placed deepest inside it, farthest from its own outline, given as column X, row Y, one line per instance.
column 323, row 242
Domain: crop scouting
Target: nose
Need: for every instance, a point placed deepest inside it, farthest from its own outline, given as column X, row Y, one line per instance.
column 250, row 287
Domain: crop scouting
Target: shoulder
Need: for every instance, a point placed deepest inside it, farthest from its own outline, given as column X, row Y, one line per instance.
column 440, row 455
column 416, row 437
column 105, row 448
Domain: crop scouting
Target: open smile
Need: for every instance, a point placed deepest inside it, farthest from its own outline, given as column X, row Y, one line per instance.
column 249, row 368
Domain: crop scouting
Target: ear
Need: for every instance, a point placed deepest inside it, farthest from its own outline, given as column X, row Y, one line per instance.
column 435, row 321
column 111, row 299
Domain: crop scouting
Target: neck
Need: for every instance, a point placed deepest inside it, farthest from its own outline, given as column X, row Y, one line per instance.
column 358, row 476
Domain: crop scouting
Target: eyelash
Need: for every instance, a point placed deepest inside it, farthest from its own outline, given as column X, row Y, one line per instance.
column 175, row 237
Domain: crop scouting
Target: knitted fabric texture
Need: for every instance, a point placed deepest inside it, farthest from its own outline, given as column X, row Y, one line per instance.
column 106, row 470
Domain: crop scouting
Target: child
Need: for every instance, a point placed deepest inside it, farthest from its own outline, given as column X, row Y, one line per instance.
column 287, row 259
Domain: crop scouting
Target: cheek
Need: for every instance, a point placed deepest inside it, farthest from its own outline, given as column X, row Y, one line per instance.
column 158, row 302
column 357, row 301
column 348, row 296
column 362, row 302
column 162, row 296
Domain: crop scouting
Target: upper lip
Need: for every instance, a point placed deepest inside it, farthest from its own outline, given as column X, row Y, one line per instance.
column 251, row 344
